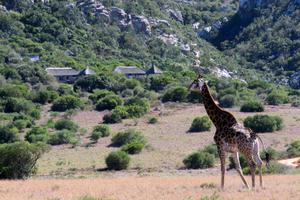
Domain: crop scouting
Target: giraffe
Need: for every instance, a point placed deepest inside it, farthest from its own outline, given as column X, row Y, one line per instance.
column 231, row 136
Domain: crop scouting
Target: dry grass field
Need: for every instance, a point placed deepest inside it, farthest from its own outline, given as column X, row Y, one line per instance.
column 285, row 187
column 168, row 141
column 155, row 173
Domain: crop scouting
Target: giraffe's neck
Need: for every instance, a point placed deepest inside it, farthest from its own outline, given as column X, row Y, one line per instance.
column 218, row 116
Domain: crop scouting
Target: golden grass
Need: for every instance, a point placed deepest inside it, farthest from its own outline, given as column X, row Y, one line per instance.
column 284, row 187
column 168, row 140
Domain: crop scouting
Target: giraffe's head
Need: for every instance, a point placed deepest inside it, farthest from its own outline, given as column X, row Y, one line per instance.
column 197, row 83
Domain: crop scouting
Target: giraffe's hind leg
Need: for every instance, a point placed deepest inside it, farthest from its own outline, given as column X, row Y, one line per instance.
column 258, row 161
column 238, row 168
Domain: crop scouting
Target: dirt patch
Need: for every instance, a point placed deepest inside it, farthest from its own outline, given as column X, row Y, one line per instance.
column 292, row 162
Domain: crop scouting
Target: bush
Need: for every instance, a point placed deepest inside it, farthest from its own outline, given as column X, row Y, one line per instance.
column 263, row 123
column 199, row 160
column 295, row 103
column 17, row 160
column 99, row 94
column 8, row 134
column 37, row 134
column 273, row 154
column 252, row 106
column 66, row 103
column 62, row 137
column 276, row 98
column 175, row 94
column 200, row 124
column 134, row 147
column 212, row 149
column 117, row 160
column 21, row 124
column 128, row 136
column 137, row 107
column 153, row 120
column 112, row 117
column 66, row 124
column 100, row 131
column 293, row 149
column 109, row 102
column 227, row 101
column 195, row 96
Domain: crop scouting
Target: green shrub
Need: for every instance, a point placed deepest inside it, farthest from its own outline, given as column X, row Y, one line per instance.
column 121, row 111
column 293, row 149
column 99, row 94
column 8, row 134
column 134, row 147
column 67, row 102
column 200, row 124
column 112, row 117
column 128, row 136
column 117, row 160
column 212, row 149
column 109, row 102
column 17, row 160
column 153, row 120
column 276, row 98
column 199, row 160
column 135, row 111
column 252, row 106
column 66, row 124
column 100, row 131
column 175, row 94
column 295, row 103
column 18, row 105
column 62, row 137
column 263, row 123
column 228, row 101
column 37, row 134
column 195, row 96
column 137, row 107
column 273, row 154
column 21, row 124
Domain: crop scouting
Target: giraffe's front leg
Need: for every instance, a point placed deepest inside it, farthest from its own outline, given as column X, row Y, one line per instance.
column 222, row 156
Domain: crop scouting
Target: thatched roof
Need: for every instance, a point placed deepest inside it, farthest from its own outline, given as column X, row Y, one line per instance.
column 129, row 70
column 66, row 71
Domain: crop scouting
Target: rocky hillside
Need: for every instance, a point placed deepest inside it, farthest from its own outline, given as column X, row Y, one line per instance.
column 246, row 37
column 264, row 35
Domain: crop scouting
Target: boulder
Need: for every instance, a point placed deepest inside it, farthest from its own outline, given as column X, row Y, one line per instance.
column 141, row 24
column 3, row 8
column 117, row 14
column 169, row 39
column 120, row 17
column 205, row 33
column 294, row 80
column 176, row 15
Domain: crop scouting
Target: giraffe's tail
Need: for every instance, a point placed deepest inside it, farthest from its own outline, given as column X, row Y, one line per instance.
column 268, row 158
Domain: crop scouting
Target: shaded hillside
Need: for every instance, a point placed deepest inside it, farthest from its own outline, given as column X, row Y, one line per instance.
column 265, row 37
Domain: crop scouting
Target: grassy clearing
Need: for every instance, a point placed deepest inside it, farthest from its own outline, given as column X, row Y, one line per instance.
column 169, row 142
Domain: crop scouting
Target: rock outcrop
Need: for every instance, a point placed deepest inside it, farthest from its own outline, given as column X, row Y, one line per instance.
column 141, row 24
column 176, row 15
column 207, row 32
